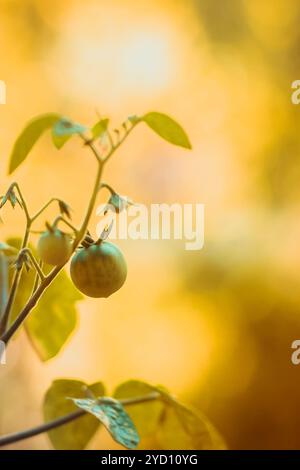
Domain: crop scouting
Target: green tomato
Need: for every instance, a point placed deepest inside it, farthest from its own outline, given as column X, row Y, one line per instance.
column 54, row 247
column 99, row 270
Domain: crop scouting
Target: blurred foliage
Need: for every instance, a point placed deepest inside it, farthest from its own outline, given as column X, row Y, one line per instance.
column 53, row 319
column 77, row 434
column 254, row 308
column 146, row 418
column 172, row 424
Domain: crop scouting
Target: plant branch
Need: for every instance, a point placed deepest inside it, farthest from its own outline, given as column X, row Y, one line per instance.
column 17, row 275
column 90, row 144
column 39, row 212
column 36, row 280
column 15, row 283
column 107, row 186
column 3, row 282
column 120, row 142
column 19, row 436
column 81, row 233
column 6, row 334
column 30, row 304
column 24, row 205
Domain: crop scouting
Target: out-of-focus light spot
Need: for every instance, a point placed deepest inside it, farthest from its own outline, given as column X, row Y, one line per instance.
column 146, row 61
column 112, row 60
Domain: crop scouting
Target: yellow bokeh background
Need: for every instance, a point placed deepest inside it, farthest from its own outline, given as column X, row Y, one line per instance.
column 214, row 326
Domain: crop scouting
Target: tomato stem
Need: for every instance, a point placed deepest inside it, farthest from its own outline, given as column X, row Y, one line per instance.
column 3, row 282
column 60, row 218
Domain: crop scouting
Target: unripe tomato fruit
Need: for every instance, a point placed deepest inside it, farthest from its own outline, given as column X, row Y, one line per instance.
column 54, row 247
column 99, row 270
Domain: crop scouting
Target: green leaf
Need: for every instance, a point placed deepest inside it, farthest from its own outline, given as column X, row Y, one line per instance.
column 28, row 138
column 51, row 323
column 174, row 425
column 53, row 319
column 60, row 140
column 112, row 414
column 100, row 128
column 146, row 416
column 76, row 434
column 63, row 130
column 182, row 428
column 11, row 197
column 167, row 128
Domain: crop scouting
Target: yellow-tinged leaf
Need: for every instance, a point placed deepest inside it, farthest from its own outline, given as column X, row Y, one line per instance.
column 167, row 128
column 76, row 434
column 28, row 138
column 145, row 416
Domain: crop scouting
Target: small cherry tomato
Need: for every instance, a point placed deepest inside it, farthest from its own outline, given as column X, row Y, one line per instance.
column 54, row 247
column 99, row 270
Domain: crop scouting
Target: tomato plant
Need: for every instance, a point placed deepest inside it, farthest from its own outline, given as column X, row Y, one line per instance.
column 31, row 291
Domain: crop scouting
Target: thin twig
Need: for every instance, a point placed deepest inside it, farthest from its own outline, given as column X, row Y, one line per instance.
column 14, row 287
column 40, row 211
column 30, row 305
column 3, row 282
column 17, row 276
column 60, row 218
column 117, row 145
column 24, row 205
column 27, row 433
